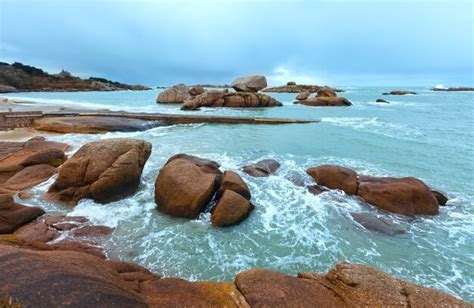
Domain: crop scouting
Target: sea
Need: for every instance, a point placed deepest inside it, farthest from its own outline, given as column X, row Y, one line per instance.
column 429, row 136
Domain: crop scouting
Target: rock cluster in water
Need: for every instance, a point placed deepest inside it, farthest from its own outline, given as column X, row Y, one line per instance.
column 246, row 95
column 187, row 185
column 399, row 92
column 406, row 196
column 324, row 97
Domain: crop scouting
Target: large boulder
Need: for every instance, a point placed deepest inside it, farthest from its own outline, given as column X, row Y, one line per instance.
column 231, row 209
column 231, row 100
column 174, row 95
column 105, row 171
column 14, row 215
column 406, row 196
column 325, row 101
column 262, row 168
column 302, row 95
column 335, row 177
column 63, row 278
column 249, row 83
column 233, row 181
column 185, row 185
column 92, row 124
column 15, row 156
column 326, row 92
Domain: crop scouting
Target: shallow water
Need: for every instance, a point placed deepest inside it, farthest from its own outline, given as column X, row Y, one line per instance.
column 429, row 136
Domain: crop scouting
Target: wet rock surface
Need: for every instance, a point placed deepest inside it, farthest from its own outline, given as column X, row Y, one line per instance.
column 93, row 124
column 378, row 224
column 262, row 168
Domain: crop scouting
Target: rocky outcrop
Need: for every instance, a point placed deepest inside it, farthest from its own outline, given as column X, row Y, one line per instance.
column 112, row 177
column 455, row 89
column 249, row 83
column 14, row 215
column 325, row 96
column 20, row 77
column 29, row 177
column 231, row 209
column 297, row 88
column 174, row 95
column 262, row 168
column 84, row 280
column 406, row 196
column 187, row 185
column 379, row 100
column 346, row 285
column 26, row 164
column 231, row 100
column 174, row 292
column 325, row 101
column 93, row 124
column 79, row 280
column 378, row 224
column 335, row 177
column 399, row 92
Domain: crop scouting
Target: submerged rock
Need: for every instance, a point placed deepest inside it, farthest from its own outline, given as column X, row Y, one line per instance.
column 317, row 189
column 399, row 92
column 231, row 209
column 262, row 168
column 379, row 100
column 379, row 224
column 406, row 196
column 335, row 177
column 249, row 83
column 174, row 95
column 14, row 215
column 93, row 124
column 104, row 171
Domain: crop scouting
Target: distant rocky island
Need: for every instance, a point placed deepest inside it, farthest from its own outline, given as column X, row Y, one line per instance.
column 293, row 87
column 17, row 77
column 457, row 89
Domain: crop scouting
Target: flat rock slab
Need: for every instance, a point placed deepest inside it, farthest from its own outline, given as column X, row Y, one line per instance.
column 93, row 124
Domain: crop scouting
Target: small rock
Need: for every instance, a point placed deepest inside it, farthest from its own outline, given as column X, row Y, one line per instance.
column 262, row 168
column 230, row 210
column 379, row 100
column 233, row 181
column 378, row 224
column 441, row 198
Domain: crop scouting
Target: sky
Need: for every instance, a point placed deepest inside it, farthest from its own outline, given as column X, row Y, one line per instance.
column 338, row 43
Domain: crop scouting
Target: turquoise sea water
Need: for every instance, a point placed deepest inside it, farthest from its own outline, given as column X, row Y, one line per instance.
column 429, row 136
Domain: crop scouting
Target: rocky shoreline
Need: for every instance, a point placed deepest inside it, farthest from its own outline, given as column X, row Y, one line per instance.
column 36, row 246
column 17, row 77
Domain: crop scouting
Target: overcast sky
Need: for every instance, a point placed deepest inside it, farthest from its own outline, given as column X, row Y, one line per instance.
column 166, row 42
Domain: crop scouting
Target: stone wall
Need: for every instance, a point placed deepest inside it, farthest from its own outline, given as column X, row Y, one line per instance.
column 11, row 120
